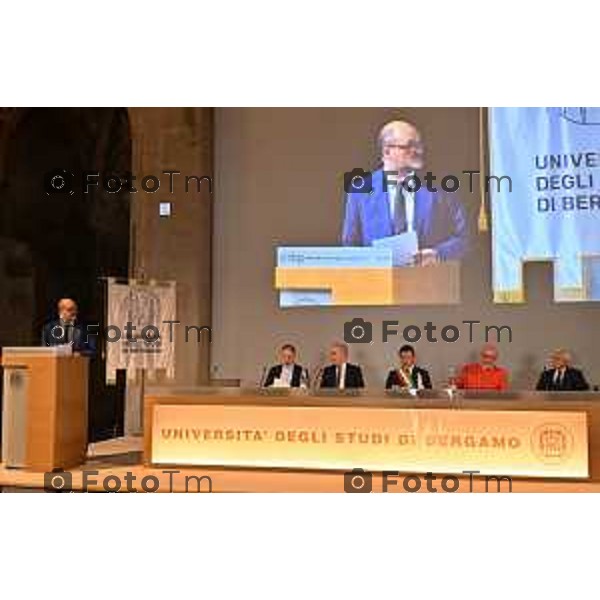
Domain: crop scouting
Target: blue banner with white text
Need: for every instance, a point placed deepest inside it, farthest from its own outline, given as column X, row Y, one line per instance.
column 549, row 209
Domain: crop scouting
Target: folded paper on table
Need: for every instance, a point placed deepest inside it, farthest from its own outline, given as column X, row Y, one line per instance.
column 280, row 383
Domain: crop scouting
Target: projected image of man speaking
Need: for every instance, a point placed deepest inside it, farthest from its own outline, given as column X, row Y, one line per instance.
column 382, row 204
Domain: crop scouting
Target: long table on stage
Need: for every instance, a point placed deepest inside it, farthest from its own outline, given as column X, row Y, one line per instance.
column 142, row 458
column 563, row 430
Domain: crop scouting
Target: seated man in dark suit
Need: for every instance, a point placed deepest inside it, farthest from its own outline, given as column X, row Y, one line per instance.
column 408, row 375
column 561, row 377
column 287, row 373
column 340, row 374
column 66, row 330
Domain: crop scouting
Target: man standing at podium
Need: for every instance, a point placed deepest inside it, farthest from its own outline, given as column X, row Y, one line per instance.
column 340, row 374
column 382, row 204
column 67, row 330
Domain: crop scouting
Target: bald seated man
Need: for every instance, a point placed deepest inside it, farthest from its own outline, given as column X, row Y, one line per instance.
column 561, row 376
column 67, row 330
column 389, row 209
column 484, row 375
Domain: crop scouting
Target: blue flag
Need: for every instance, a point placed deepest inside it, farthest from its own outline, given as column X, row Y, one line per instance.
column 551, row 210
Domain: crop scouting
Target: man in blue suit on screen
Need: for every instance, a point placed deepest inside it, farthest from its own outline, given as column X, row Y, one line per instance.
column 382, row 204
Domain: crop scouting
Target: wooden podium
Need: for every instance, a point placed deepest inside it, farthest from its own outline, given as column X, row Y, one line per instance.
column 45, row 408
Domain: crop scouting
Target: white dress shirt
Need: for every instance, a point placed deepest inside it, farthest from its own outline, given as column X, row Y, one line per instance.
column 341, row 369
column 287, row 371
column 558, row 376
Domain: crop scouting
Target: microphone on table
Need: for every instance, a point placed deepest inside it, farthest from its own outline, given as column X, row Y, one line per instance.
column 261, row 383
column 304, row 379
column 451, row 386
column 452, row 377
column 317, row 379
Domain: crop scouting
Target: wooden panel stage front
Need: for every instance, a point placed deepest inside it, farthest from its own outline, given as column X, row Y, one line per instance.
column 124, row 458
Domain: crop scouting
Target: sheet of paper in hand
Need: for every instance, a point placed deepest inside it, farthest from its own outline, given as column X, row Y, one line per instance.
column 403, row 246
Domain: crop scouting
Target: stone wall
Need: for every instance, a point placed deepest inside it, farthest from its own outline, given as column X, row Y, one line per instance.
column 176, row 247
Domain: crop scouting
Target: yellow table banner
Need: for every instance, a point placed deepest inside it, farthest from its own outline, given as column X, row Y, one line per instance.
column 493, row 442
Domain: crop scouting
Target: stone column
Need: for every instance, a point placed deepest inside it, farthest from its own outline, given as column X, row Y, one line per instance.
column 176, row 247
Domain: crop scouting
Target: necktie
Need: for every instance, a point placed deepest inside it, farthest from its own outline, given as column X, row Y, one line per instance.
column 338, row 373
column 400, row 223
column 557, row 379
column 67, row 332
